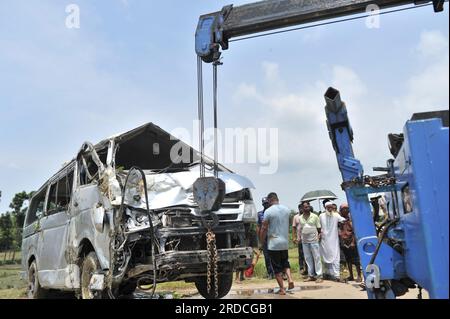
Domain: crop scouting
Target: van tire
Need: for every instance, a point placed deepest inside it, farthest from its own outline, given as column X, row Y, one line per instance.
column 128, row 288
column 35, row 291
column 225, row 283
column 89, row 266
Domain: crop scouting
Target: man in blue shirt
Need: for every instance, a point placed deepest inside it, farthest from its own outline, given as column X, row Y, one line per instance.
column 276, row 227
column 263, row 244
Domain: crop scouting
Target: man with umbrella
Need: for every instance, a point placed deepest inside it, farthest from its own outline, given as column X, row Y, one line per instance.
column 318, row 195
column 310, row 228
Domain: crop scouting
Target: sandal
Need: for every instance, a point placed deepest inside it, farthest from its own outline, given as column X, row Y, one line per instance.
column 350, row 279
column 291, row 285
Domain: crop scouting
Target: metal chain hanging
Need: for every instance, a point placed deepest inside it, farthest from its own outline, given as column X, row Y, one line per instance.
column 211, row 247
column 211, row 270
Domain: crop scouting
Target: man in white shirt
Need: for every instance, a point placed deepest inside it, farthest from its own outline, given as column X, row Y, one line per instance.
column 297, row 239
column 310, row 229
column 329, row 244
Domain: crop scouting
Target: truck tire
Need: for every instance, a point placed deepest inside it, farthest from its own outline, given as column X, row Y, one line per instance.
column 225, row 283
column 35, row 291
column 89, row 266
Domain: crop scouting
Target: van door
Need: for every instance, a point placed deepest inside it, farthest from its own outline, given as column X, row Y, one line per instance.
column 54, row 229
column 31, row 227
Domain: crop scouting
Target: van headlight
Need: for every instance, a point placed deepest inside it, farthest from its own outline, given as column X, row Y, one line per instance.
column 250, row 214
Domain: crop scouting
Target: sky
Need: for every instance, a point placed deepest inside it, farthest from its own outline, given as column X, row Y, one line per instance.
column 133, row 61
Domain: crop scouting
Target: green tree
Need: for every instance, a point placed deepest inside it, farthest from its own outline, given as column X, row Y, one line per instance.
column 6, row 232
column 19, row 204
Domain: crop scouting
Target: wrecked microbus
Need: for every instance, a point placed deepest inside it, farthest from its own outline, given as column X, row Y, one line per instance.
column 121, row 215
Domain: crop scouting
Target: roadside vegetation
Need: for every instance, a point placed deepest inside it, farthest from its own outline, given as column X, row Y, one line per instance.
column 11, row 286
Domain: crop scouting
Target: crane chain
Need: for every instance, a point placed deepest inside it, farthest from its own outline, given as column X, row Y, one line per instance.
column 212, row 263
column 372, row 181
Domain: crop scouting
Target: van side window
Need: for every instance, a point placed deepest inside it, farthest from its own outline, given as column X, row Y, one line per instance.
column 36, row 207
column 51, row 203
column 88, row 170
column 64, row 192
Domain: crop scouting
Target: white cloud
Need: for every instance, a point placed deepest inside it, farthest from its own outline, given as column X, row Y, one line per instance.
column 306, row 158
column 427, row 88
column 348, row 81
column 433, row 44
column 271, row 71
column 246, row 91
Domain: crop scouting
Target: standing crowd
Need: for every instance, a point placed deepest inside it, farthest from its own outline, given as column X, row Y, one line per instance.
column 319, row 237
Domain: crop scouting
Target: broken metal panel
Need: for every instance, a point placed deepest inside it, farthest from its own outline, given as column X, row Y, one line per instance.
column 88, row 148
column 97, row 282
column 51, row 247
column 72, row 276
column 132, row 146
column 175, row 189
column 98, row 217
column 82, row 227
column 29, row 247
column 52, row 278
column 184, row 264
column 86, row 198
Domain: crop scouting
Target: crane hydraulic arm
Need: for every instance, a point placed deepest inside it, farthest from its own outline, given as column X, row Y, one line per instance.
column 214, row 30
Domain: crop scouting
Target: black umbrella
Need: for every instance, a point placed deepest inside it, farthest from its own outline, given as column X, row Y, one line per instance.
column 318, row 195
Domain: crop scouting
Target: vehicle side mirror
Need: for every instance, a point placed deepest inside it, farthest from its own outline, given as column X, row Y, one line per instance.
column 39, row 215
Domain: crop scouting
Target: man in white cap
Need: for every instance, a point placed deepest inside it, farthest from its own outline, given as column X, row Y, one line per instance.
column 329, row 244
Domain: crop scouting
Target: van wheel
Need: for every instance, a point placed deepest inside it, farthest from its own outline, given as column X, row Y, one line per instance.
column 35, row 291
column 128, row 288
column 225, row 283
column 90, row 266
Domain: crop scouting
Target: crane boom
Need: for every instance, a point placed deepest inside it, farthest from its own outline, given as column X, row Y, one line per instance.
column 214, row 30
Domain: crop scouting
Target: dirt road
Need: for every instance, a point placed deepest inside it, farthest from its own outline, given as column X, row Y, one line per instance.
column 265, row 289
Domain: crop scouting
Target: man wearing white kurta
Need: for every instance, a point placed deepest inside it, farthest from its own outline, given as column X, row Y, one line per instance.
column 329, row 244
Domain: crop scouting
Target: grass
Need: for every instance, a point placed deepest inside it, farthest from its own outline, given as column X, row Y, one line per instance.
column 5, row 258
column 11, row 286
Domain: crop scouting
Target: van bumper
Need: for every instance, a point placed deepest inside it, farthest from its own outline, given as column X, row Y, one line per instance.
column 177, row 265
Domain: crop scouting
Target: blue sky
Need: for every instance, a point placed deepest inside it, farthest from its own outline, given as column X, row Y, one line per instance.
column 133, row 61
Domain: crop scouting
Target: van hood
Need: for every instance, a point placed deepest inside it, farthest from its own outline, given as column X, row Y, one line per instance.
column 175, row 189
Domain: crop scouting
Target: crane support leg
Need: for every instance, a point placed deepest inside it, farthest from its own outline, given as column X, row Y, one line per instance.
column 380, row 262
